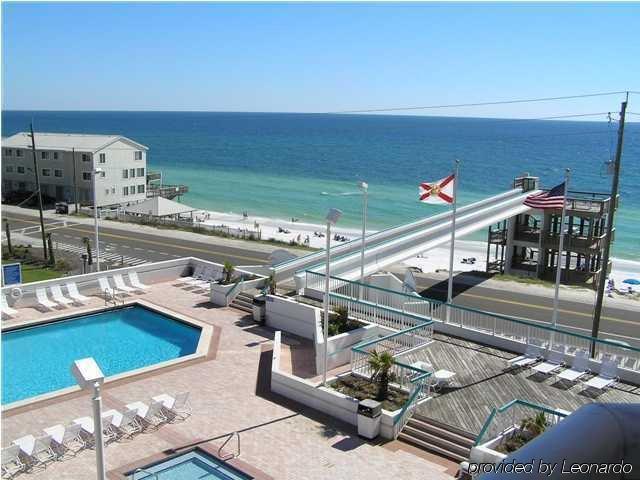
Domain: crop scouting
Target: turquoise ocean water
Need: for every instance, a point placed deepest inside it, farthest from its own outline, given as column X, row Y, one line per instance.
column 298, row 165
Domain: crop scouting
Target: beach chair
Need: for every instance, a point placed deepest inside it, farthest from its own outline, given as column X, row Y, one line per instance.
column 5, row 308
column 43, row 300
column 151, row 415
column 178, row 406
column 105, row 287
column 58, row 297
column 554, row 362
column 120, row 285
column 124, row 422
column 607, row 377
column 66, row 438
column 11, row 463
column 197, row 272
column 37, row 450
column 203, row 279
column 531, row 355
column 579, row 367
column 135, row 282
column 88, row 427
column 74, row 294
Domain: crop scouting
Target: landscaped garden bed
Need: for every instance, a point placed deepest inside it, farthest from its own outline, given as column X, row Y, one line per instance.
column 362, row 388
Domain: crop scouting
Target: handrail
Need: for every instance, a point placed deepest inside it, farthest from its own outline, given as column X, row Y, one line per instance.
column 232, row 292
column 229, row 437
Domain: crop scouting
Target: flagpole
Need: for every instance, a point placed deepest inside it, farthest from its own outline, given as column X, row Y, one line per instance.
column 453, row 232
column 554, row 317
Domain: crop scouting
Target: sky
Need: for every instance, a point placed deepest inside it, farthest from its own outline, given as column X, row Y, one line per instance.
column 317, row 57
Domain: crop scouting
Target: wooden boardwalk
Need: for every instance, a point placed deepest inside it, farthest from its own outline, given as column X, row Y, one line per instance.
column 483, row 382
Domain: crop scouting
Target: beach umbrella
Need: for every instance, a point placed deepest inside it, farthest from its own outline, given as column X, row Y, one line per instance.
column 632, row 281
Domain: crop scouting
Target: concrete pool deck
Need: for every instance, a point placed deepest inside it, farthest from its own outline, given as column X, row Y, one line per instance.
column 229, row 391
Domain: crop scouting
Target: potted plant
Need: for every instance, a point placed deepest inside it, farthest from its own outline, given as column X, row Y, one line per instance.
column 228, row 270
column 381, row 363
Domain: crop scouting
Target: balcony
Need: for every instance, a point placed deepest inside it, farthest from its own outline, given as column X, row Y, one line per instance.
column 498, row 237
column 527, row 234
column 575, row 243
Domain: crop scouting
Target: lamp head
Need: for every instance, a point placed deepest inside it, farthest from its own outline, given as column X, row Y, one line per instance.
column 364, row 186
column 333, row 216
column 87, row 372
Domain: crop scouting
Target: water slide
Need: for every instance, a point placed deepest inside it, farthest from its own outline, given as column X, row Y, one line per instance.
column 396, row 244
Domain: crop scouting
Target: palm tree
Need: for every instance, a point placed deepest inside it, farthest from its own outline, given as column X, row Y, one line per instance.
column 381, row 363
column 228, row 270
column 87, row 243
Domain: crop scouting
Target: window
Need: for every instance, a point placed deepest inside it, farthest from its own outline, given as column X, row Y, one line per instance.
column 125, row 173
column 86, row 176
column 113, row 190
column 57, row 173
column 132, row 190
column 103, row 174
column 86, row 157
column 20, row 170
column 106, row 192
column 46, row 172
column 140, row 172
column 44, row 155
column 8, row 168
column 137, row 155
column 18, row 153
column 140, row 188
column 132, row 172
column 102, row 158
column 125, row 190
column 8, row 152
column 55, row 155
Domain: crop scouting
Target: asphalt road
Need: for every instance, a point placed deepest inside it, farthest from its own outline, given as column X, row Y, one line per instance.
column 617, row 323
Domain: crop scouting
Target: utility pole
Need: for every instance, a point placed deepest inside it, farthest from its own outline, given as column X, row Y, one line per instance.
column 35, row 171
column 607, row 246
column 75, row 178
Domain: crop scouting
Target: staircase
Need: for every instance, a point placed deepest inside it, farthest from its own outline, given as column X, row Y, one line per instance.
column 243, row 301
column 438, row 438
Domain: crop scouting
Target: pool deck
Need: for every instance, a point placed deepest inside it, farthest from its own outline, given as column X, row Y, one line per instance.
column 229, row 391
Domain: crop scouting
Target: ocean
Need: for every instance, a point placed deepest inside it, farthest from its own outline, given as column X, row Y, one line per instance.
column 282, row 165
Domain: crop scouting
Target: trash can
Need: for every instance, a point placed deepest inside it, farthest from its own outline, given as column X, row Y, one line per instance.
column 259, row 309
column 369, row 417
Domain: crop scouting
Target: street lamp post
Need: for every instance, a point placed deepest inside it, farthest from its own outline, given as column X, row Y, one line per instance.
column 95, row 214
column 332, row 218
column 365, row 190
column 89, row 376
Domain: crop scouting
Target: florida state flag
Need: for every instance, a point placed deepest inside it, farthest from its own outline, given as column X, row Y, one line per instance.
column 437, row 192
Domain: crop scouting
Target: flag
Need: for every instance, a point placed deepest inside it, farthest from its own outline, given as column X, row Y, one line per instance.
column 554, row 198
column 437, row 192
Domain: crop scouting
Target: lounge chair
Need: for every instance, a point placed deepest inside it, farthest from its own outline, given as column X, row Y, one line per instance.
column 607, row 377
column 177, row 406
column 5, row 308
column 124, row 422
column 531, row 355
column 75, row 295
column 554, row 362
column 38, row 450
column 58, row 297
column 579, row 367
column 197, row 272
column 66, row 438
column 43, row 300
column 105, row 287
column 120, row 285
column 11, row 463
column 151, row 414
column 108, row 433
column 203, row 279
column 135, row 282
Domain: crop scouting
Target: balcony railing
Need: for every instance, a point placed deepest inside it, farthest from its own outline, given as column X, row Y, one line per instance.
column 574, row 243
column 527, row 234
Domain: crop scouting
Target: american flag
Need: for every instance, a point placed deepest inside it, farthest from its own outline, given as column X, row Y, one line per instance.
column 554, row 198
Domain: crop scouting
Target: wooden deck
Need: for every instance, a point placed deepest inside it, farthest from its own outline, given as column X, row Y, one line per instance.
column 483, row 382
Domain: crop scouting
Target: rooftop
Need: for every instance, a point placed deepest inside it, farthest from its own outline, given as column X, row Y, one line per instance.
column 66, row 141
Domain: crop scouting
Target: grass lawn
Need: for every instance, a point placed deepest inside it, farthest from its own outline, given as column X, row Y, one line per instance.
column 31, row 273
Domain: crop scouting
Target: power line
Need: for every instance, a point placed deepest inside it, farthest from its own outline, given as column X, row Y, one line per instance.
column 481, row 104
column 570, row 116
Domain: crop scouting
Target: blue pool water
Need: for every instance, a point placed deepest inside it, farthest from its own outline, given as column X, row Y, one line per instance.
column 190, row 466
column 37, row 360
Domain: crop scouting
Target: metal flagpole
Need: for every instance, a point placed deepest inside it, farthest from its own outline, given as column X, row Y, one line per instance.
column 554, row 317
column 453, row 231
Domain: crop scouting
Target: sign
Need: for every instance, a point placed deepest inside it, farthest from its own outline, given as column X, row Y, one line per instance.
column 11, row 274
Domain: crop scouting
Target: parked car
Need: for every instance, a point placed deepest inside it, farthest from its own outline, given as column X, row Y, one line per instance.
column 62, row 207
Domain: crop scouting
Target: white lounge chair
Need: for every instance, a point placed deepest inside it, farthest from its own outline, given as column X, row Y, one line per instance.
column 5, row 308
column 607, row 377
column 11, row 462
column 125, row 422
column 74, row 294
column 120, row 285
column 135, row 282
column 203, row 279
column 579, row 367
column 58, row 297
column 177, row 406
column 43, row 300
column 38, row 450
column 531, row 355
column 553, row 363
column 88, row 427
column 66, row 438
column 105, row 287
column 151, row 414
column 197, row 272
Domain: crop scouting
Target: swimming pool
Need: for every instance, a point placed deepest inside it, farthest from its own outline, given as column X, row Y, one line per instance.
column 189, row 466
column 37, row 360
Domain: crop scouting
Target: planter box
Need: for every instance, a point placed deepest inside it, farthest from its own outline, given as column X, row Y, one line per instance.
column 486, row 453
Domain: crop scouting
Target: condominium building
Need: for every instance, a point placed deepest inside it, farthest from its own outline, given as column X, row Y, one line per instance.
column 66, row 163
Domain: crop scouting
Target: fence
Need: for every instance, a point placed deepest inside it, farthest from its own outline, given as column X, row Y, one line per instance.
column 511, row 415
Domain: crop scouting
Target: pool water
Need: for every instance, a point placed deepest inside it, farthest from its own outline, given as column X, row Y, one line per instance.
column 37, row 360
column 189, row 466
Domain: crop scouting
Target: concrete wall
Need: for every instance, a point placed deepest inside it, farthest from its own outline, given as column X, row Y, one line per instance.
column 220, row 293
column 293, row 317
column 339, row 346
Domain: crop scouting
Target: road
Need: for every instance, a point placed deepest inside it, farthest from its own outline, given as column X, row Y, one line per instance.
column 136, row 247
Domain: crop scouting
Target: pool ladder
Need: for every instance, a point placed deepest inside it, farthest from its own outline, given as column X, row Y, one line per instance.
column 149, row 474
column 231, row 435
column 111, row 296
